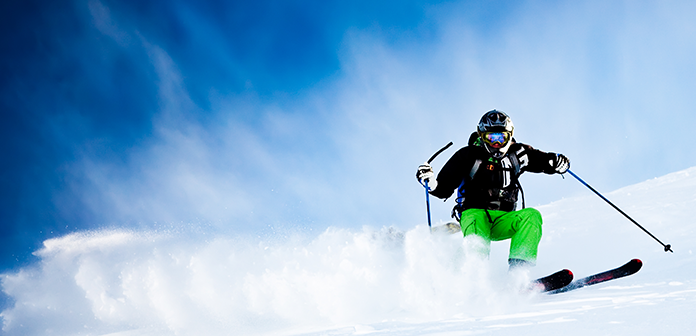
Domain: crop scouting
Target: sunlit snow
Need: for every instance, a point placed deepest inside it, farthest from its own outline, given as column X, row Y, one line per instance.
column 377, row 281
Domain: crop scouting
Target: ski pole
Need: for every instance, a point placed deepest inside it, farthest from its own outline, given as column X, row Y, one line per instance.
column 427, row 189
column 667, row 247
column 427, row 204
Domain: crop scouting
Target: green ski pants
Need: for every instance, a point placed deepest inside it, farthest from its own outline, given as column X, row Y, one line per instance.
column 522, row 227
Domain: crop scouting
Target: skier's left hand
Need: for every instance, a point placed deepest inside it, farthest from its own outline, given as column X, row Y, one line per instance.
column 561, row 164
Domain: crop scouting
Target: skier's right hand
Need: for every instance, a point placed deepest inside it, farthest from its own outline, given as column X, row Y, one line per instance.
column 425, row 173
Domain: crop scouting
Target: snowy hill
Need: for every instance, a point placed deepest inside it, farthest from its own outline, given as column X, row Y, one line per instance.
column 372, row 281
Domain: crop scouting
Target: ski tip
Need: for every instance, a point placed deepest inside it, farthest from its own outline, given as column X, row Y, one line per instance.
column 552, row 282
column 568, row 277
column 563, row 274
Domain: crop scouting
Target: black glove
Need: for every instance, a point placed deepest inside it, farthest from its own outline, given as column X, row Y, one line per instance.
column 561, row 164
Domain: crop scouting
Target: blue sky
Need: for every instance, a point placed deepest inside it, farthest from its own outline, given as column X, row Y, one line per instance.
column 274, row 116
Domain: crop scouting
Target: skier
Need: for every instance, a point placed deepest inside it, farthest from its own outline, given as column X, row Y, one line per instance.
column 486, row 175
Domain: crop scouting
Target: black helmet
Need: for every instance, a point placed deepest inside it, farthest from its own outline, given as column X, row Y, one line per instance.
column 495, row 121
column 495, row 130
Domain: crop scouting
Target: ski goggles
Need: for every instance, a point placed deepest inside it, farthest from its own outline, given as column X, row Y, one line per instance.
column 496, row 139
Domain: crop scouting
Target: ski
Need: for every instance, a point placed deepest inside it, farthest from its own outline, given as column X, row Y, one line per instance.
column 627, row 269
column 552, row 282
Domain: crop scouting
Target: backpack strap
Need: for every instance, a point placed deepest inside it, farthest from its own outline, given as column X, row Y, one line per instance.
column 515, row 165
column 515, row 161
column 474, row 169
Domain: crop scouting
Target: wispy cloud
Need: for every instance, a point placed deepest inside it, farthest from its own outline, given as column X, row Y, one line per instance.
column 103, row 21
column 588, row 80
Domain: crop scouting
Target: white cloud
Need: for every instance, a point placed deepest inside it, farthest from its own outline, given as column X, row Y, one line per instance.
column 592, row 81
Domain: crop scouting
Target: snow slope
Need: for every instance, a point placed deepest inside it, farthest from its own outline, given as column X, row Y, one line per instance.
column 370, row 281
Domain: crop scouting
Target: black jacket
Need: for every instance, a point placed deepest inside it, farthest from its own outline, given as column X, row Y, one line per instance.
column 487, row 183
